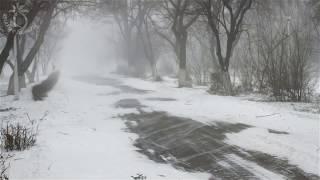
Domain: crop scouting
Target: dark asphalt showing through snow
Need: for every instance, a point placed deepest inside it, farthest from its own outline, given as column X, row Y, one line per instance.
column 191, row 145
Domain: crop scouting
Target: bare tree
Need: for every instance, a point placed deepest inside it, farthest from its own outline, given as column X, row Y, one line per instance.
column 23, row 64
column 225, row 18
column 146, row 33
column 182, row 14
column 33, row 6
column 200, row 64
column 129, row 16
column 42, row 11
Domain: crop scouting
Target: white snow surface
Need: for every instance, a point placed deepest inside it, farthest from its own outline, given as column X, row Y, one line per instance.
column 82, row 137
column 301, row 146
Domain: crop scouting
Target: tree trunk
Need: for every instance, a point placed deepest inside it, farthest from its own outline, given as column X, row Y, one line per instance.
column 226, row 81
column 221, row 83
column 20, row 41
column 10, row 90
column 31, row 75
column 6, row 50
column 22, row 81
column 182, row 46
column 149, row 53
column 34, row 70
column 22, row 84
column 45, row 67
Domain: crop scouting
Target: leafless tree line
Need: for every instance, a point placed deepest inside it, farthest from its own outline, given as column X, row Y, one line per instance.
column 232, row 46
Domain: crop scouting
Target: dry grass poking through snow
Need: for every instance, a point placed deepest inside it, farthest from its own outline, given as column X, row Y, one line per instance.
column 18, row 137
column 4, row 166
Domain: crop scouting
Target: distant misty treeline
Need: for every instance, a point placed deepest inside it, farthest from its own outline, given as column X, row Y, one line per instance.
column 231, row 46
column 268, row 46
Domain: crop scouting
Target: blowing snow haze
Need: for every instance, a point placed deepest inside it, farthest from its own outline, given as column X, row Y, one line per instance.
column 160, row 90
column 86, row 48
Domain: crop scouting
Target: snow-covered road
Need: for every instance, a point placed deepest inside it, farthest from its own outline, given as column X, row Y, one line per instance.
column 116, row 127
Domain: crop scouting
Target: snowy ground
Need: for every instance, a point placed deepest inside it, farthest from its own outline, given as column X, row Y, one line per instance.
column 300, row 146
column 82, row 135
